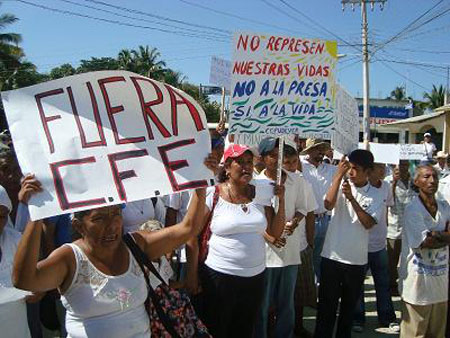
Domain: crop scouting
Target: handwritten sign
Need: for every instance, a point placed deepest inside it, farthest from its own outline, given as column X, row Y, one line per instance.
column 387, row 153
column 105, row 138
column 282, row 85
column 220, row 73
column 346, row 123
column 412, row 151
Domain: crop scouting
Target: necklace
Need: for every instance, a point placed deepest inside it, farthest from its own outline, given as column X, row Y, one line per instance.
column 243, row 206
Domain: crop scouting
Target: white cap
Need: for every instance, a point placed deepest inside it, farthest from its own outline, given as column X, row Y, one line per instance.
column 427, row 134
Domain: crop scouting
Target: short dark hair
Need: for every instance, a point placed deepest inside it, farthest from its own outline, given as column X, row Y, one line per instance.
column 288, row 151
column 361, row 157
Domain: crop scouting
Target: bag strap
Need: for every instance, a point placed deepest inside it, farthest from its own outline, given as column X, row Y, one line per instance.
column 143, row 261
column 215, row 200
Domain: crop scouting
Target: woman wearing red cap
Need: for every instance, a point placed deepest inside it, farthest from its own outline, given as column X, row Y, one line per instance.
column 233, row 273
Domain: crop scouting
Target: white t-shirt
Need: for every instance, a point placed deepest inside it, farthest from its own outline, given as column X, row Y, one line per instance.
column 320, row 178
column 295, row 201
column 311, row 203
column 236, row 246
column 138, row 212
column 347, row 240
column 180, row 202
column 377, row 234
column 403, row 196
column 444, row 188
column 13, row 311
column 423, row 273
column 429, row 148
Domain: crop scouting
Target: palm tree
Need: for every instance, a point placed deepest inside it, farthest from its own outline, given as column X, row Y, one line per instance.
column 147, row 62
column 435, row 99
column 174, row 78
column 398, row 94
column 126, row 60
column 10, row 52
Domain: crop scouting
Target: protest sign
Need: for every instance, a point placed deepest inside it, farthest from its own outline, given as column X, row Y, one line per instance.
column 412, row 151
column 387, row 153
column 282, row 85
column 106, row 138
column 220, row 73
column 346, row 123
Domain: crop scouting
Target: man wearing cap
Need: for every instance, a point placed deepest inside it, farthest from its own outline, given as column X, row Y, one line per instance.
column 282, row 255
column 319, row 175
column 429, row 149
column 441, row 165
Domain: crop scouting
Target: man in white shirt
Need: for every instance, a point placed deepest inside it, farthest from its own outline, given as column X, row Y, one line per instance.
column 319, row 175
column 429, row 149
column 305, row 288
column 441, row 165
column 424, row 260
column 282, row 256
column 356, row 208
column 378, row 259
column 401, row 185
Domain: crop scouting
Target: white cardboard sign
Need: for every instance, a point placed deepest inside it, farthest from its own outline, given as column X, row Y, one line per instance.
column 346, row 123
column 282, row 85
column 105, row 138
column 220, row 73
column 412, row 151
column 387, row 153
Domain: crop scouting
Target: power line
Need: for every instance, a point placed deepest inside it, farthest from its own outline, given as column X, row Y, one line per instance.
column 205, row 33
column 401, row 75
column 116, row 22
column 157, row 16
column 423, row 51
column 408, row 28
column 315, row 22
column 242, row 18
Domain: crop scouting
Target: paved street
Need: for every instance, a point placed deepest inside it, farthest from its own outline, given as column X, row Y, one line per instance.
column 372, row 328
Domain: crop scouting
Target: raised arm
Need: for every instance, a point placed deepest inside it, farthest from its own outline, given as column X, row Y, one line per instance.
column 157, row 243
column 276, row 221
column 332, row 194
column 48, row 274
column 28, row 273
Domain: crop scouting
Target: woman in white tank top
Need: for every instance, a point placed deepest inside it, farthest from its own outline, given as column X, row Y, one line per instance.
column 101, row 284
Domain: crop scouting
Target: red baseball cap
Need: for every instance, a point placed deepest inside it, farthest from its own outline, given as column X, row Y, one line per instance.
column 235, row 150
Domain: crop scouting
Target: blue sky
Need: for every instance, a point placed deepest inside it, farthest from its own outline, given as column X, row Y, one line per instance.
column 195, row 34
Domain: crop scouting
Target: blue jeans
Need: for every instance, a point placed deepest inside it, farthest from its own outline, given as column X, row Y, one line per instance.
column 279, row 288
column 321, row 227
column 378, row 264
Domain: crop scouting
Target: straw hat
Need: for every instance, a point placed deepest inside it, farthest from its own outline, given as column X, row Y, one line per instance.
column 441, row 154
column 314, row 143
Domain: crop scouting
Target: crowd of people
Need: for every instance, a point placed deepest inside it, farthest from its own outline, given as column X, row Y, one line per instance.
column 251, row 252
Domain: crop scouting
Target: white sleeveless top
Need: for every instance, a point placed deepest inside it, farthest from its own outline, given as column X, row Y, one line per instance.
column 99, row 305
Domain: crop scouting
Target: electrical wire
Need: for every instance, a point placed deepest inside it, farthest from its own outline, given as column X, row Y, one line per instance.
column 130, row 10
column 203, row 33
column 120, row 23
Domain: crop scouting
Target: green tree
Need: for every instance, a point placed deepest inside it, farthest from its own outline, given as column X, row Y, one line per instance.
column 94, row 64
column 147, row 62
column 64, row 70
column 25, row 75
column 10, row 52
column 126, row 60
column 174, row 78
column 212, row 109
column 435, row 98
column 398, row 94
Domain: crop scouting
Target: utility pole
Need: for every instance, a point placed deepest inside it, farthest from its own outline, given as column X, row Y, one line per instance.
column 365, row 56
column 447, row 92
